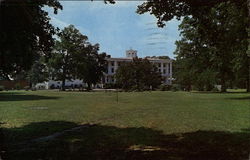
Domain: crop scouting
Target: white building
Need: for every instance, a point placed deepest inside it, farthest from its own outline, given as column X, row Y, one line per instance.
column 164, row 66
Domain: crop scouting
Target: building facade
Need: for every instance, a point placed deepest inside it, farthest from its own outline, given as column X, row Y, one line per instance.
column 164, row 67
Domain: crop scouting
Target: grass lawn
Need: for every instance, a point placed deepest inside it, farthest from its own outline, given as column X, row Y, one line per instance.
column 147, row 125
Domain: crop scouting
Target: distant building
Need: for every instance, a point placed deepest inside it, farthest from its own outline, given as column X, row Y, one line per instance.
column 164, row 67
column 52, row 84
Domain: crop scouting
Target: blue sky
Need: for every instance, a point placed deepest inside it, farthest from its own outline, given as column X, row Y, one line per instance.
column 118, row 27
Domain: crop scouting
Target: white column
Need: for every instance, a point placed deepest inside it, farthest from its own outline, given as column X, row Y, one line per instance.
column 115, row 66
column 161, row 68
column 170, row 72
column 167, row 70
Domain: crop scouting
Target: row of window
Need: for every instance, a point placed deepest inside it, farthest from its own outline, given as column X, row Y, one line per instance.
column 159, row 64
column 118, row 63
column 159, row 70
column 111, row 79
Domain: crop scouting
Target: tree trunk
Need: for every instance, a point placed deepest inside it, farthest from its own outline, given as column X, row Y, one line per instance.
column 223, row 84
column 63, row 85
column 248, row 51
column 247, row 84
column 89, row 86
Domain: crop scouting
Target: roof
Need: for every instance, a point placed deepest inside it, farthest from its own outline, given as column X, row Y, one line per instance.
column 130, row 59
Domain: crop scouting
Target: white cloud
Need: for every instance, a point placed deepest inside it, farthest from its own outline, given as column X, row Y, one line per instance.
column 59, row 23
column 96, row 5
column 62, row 24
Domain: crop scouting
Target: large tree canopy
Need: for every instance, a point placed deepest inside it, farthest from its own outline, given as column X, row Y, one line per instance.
column 139, row 75
column 75, row 57
column 165, row 10
column 221, row 26
column 63, row 61
column 26, row 33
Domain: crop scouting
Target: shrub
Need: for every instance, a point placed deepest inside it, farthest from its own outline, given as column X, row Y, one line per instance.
column 27, row 88
column 165, row 87
column 133, row 88
column 40, row 86
column 215, row 89
column 18, row 86
column 52, row 86
column 176, row 87
column 1, row 88
column 110, row 86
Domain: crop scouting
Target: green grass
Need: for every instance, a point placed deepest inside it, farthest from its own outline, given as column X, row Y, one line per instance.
column 147, row 125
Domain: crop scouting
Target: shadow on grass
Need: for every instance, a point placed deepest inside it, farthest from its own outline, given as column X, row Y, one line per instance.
column 111, row 143
column 239, row 98
column 16, row 96
column 212, row 92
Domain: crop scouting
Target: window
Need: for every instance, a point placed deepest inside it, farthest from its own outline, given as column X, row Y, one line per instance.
column 164, row 64
column 164, row 71
column 112, row 70
column 159, row 70
column 112, row 63
column 159, row 65
column 119, row 63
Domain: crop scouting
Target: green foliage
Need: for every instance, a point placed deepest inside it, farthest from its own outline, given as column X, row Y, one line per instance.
column 75, row 57
column 215, row 89
column 170, row 9
column 158, row 57
column 1, row 88
column 26, row 88
column 18, row 86
column 38, row 72
column 26, row 33
column 62, row 63
column 221, row 26
column 110, row 86
column 176, row 87
column 90, row 65
column 164, row 87
column 203, row 55
column 138, row 75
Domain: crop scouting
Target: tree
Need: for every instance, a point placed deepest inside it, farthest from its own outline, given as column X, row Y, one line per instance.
column 212, row 50
column 159, row 57
column 38, row 72
column 170, row 9
column 90, row 65
column 198, row 9
column 248, row 44
column 26, row 34
column 62, row 63
column 139, row 74
column 193, row 65
column 76, row 58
